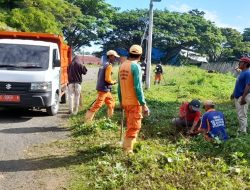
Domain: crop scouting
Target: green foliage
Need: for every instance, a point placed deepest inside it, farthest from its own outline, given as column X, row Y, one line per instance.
column 80, row 21
column 128, row 28
column 246, row 35
column 172, row 31
column 85, row 21
column 4, row 27
column 164, row 158
column 234, row 45
column 39, row 15
column 91, row 25
column 34, row 19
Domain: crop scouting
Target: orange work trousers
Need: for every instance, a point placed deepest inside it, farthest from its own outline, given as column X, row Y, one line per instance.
column 133, row 120
column 157, row 77
column 103, row 97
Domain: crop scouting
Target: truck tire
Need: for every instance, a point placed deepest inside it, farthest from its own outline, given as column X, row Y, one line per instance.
column 64, row 98
column 52, row 110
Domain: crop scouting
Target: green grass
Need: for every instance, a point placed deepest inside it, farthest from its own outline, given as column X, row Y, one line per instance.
column 163, row 159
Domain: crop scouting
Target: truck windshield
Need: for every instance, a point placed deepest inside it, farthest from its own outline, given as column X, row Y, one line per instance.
column 20, row 56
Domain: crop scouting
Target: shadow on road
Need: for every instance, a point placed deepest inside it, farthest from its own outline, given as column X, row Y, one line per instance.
column 34, row 130
column 55, row 161
column 18, row 115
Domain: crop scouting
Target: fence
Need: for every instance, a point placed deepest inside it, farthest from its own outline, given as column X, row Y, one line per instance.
column 221, row 67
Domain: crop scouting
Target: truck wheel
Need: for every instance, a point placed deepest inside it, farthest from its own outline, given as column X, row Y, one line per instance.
column 52, row 110
column 64, row 98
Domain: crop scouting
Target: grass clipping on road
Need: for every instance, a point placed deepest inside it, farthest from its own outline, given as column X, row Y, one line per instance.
column 163, row 159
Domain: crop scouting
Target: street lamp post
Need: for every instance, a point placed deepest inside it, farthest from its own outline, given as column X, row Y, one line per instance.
column 149, row 46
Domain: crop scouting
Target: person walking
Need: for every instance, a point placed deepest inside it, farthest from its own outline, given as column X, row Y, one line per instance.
column 213, row 124
column 241, row 94
column 158, row 73
column 103, row 87
column 131, row 96
column 75, row 71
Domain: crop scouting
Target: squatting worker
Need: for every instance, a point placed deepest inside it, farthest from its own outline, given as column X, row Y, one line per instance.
column 241, row 94
column 131, row 96
column 103, row 87
column 189, row 116
column 213, row 124
column 75, row 71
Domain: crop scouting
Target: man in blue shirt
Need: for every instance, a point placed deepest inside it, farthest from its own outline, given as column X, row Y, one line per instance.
column 241, row 94
column 213, row 124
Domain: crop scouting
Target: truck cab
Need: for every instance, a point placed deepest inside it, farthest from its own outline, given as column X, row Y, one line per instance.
column 33, row 70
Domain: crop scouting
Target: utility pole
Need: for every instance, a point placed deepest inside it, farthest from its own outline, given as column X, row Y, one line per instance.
column 149, row 46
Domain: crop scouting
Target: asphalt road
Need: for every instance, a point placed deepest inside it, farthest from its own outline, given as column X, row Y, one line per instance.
column 19, row 130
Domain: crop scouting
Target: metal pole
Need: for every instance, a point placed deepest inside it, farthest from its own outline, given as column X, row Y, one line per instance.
column 150, row 31
column 144, row 34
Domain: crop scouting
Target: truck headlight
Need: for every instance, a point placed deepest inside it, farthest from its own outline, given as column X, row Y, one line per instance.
column 44, row 86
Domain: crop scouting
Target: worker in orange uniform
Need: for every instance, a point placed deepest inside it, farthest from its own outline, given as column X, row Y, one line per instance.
column 131, row 96
column 158, row 73
column 103, row 87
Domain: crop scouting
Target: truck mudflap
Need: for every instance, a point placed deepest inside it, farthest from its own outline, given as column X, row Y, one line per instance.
column 39, row 99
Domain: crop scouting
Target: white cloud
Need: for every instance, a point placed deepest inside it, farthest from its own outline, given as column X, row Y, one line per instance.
column 239, row 17
column 212, row 16
column 92, row 48
column 209, row 15
column 180, row 8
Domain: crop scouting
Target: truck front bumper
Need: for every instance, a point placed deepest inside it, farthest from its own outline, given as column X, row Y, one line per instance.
column 31, row 99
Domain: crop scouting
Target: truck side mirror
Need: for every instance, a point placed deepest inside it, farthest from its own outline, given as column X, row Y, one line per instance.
column 57, row 63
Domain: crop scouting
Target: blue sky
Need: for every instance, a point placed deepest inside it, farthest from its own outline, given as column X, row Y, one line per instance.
column 225, row 13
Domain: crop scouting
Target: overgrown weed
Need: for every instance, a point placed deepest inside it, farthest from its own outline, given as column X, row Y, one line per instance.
column 163, row 159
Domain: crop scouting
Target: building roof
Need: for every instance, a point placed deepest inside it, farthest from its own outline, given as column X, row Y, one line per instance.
column 90, row 59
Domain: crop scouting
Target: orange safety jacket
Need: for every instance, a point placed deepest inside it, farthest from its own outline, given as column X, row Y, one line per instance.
column 129, row 86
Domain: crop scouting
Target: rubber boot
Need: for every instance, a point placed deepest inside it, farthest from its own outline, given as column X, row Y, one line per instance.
column 110, row 112
column 128, row 145
column 89, row 116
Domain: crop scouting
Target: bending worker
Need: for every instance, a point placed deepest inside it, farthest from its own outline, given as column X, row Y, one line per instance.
column 189, row 116
column 213, row 124
column 103, row 87
column 131, row 96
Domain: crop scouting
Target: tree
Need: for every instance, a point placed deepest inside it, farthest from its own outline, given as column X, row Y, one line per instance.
column 39, row 15
column 196, row 12
column 93, row 23
column 246, row 35
column 10, row 4
column 234, row 45
column 172, row 32
column 128, row 29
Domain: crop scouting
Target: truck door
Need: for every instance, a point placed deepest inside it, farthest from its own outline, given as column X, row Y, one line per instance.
column 53, row 109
